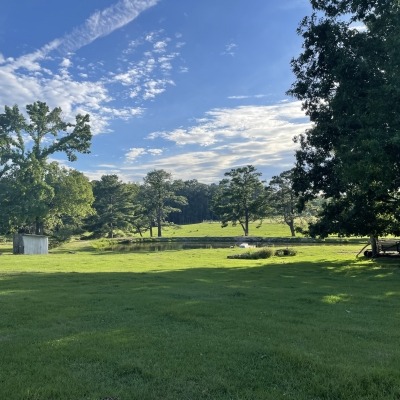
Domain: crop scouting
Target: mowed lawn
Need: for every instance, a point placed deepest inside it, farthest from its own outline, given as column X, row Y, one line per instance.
column 192, row 324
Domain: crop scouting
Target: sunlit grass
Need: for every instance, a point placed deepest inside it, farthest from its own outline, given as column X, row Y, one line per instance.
column 267, row 228
column 195, row 325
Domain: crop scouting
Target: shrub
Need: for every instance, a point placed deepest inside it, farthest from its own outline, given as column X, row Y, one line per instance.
column 265, row 252
column 285, row 252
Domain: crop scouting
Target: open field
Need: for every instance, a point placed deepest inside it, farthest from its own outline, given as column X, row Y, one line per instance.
column 194, row 325
column 267, row 229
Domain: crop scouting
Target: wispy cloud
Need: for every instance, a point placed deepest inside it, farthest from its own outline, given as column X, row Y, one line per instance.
column 245, row 97
column 230, row 49
column 80, row 87
column 104, row 22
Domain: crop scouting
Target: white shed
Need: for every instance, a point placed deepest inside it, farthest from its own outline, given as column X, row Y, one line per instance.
column 30, row 244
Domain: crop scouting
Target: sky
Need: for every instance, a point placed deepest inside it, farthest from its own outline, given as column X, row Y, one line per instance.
column 194, row 87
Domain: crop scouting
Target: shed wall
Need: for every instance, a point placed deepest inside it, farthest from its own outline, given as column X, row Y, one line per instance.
column 31, row 244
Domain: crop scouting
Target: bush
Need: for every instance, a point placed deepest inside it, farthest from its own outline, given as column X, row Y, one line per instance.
column 265, row 252
column 285, row 252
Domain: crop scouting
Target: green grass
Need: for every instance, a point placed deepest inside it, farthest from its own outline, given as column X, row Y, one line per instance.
column 194, row 325
column 212, row 229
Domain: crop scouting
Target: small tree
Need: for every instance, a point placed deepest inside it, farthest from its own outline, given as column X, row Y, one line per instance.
column 241, row 198
column 283, row 199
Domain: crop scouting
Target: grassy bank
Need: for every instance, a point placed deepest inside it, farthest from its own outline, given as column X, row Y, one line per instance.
column 194, row 325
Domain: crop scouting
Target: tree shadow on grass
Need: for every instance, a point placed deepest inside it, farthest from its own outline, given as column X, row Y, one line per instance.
column 202, row 333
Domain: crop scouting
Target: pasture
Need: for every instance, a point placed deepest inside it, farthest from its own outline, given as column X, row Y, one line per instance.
column 192, row 324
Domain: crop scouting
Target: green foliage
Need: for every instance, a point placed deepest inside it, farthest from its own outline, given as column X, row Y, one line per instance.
column 262, row 253
column 285, row 252
column 114, row 206
column 283, row 199
column 25, row 145
column 348, row 82
column 159, row 199
column 198, row 207
column 240, row 198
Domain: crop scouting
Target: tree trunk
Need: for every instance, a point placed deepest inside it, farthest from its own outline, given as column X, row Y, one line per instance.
column 291, row 227
column 159, row 231
column 374, row 245
column 38, row 227
column 246, row 226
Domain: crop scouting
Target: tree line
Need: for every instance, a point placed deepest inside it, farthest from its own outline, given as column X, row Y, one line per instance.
column 347, row 166
column 39, row 196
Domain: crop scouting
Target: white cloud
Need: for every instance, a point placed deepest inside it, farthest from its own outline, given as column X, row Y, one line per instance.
column 240, row 123
column 26, row 79
column 359, row 26
column 134, row 153
column 244, row 97
column 104, row 22
column 230, row 49
column 137, row 152
column 155, row 152
column 153, row 88
column 231, row 137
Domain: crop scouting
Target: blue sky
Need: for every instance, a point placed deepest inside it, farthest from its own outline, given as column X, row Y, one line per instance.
column 195, row 87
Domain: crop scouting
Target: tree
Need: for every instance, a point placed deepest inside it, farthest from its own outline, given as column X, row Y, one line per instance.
column 159, row 198
column 114, row 206
column 26, row 144
column 65, row 199
column 198, row 207
column 241, row 198
column 348, row 82
column 283, row 199
column 71, row 203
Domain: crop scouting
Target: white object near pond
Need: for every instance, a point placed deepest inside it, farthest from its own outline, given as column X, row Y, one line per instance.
column 30, row 244
column 245, row 245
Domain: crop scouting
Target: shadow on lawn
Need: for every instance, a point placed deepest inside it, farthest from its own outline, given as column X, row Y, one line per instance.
column 223, row 330
column 325, row 276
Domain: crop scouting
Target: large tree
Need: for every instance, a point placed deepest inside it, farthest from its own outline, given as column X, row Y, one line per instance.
column 348, row 80
column 159, row 198
column 114, row 205
column 240, row 198
column 64, row 199
column 26, row 144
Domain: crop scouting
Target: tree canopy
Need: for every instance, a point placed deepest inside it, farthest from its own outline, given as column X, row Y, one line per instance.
column 348, row 80
column 159, row 197
column 114, row 206
column 241, row 198
column 25, row 145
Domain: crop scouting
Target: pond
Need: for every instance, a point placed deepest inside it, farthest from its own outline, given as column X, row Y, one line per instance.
column 164, row 246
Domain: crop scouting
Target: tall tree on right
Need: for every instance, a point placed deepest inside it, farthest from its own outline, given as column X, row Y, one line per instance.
column 348, row 80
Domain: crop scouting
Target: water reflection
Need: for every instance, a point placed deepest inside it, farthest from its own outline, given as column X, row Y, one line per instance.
column 149, row 247
column 163, row 246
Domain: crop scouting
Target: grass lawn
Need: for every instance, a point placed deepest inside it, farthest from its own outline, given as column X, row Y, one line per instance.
column 266, row 229
column 192, row 324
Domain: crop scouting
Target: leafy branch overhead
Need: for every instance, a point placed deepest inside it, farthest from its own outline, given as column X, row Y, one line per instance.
column 44, row 133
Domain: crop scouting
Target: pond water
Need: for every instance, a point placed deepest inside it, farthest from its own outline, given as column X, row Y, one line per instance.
column 159, row 246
